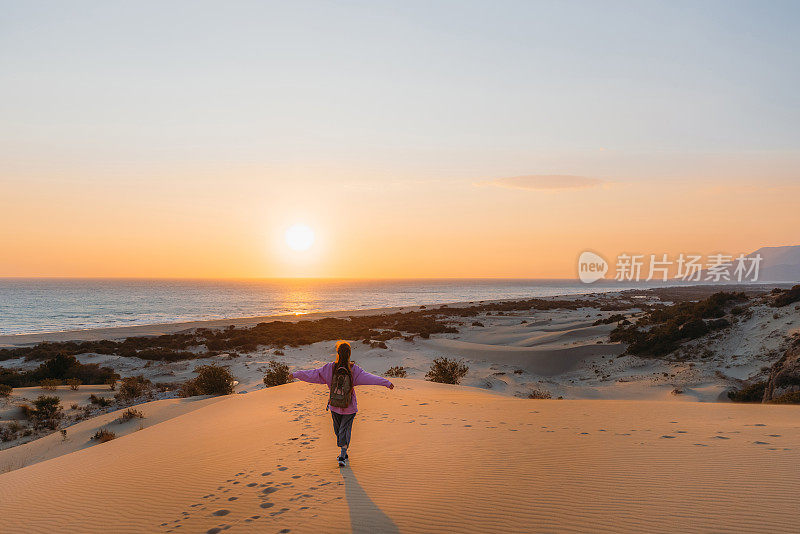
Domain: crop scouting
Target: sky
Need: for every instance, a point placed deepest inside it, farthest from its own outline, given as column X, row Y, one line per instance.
column 416, row 139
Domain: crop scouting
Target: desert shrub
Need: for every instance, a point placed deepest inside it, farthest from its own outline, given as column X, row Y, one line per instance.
column 9, row 431
column 277, row 374
column 103, row 435
column 477, row 323
column 112, row 384
column 53, row 371
column 540, row 394
column 74, row 407
column 278, row 353
column 132, row 388
column 47, row 411
column 5, row 391
column 130, row 414
column 670, row 326
column 49, row 384
column 608, row 320
column 447, row 371
column 74, row 383
column 396, row 372
column 787, row 297
column 213, row 380
column 787, row 398
column 752, row 393
column 378, row 345
column 100, row 401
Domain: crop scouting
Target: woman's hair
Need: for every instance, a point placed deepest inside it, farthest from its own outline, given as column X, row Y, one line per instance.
column 343, row 353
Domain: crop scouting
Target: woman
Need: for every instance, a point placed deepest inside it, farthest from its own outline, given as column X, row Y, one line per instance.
column 348, row 376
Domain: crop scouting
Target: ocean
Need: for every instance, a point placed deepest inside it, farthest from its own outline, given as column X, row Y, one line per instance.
column 52, row 305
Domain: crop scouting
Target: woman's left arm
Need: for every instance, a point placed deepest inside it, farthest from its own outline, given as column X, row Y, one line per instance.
column 368, row 379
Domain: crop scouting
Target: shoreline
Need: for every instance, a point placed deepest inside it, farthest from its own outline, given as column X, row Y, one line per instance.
column 157, row 329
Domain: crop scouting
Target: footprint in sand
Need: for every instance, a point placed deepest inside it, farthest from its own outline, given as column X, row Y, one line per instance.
column 721, row 437
column 668, row 437
column 267, row 504
column 760, row 443
column 221, row 512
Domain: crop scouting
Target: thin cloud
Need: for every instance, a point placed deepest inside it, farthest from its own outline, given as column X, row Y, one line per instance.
column 546, row 182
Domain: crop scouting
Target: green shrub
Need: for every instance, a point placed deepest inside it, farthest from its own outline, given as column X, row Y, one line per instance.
column 751, row 393
column 396, row 372
column 277, row 374
column 213, row 380
column 447, row 371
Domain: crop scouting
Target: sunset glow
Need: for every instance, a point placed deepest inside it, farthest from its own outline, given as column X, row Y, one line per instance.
column 299, row 237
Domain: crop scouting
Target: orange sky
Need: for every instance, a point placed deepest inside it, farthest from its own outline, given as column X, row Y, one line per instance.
column 195, row 226
column 416, row 139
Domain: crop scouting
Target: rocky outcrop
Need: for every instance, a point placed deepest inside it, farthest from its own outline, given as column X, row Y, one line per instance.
column 784, row 377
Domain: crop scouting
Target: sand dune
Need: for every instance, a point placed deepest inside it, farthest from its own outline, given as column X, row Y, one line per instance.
column 426, row 458
column 542, row 362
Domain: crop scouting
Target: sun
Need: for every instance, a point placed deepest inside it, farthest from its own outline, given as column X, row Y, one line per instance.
column 299, row 237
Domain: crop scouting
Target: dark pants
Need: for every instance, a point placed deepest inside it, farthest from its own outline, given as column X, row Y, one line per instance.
column 342, row 426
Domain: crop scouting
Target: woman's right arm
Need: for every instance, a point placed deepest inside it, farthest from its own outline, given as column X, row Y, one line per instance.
column 314, row 376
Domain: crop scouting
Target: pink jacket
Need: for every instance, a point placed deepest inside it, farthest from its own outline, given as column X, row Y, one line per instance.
column 324, row 374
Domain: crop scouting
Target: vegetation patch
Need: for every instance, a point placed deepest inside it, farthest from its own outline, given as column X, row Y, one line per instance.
column 53, row 371
column 130, row 414
column 752, row 393
column 447, row 371
column 277, row 374
column 790, row 296
column 103, row 435
column 396, row 372
column 664, row 328
column 211, row 380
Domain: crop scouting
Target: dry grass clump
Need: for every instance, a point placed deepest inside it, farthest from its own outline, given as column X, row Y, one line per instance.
column 130, row 414
column 540, row 394
column 5, row 391
column 9, row 431
column 447, row 371
column 73, row 383
column 49, row 384
column 103, row 435
column 277, row 374
column 396, row 372
column 102, row 402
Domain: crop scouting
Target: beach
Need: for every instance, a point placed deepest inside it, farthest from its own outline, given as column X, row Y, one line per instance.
column 622, row 444
column 426, row 458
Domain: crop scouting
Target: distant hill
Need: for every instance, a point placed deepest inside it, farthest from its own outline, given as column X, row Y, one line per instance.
column 779, row 264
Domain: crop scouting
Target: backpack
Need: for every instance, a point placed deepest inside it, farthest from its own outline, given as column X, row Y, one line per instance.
column 341, row 387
